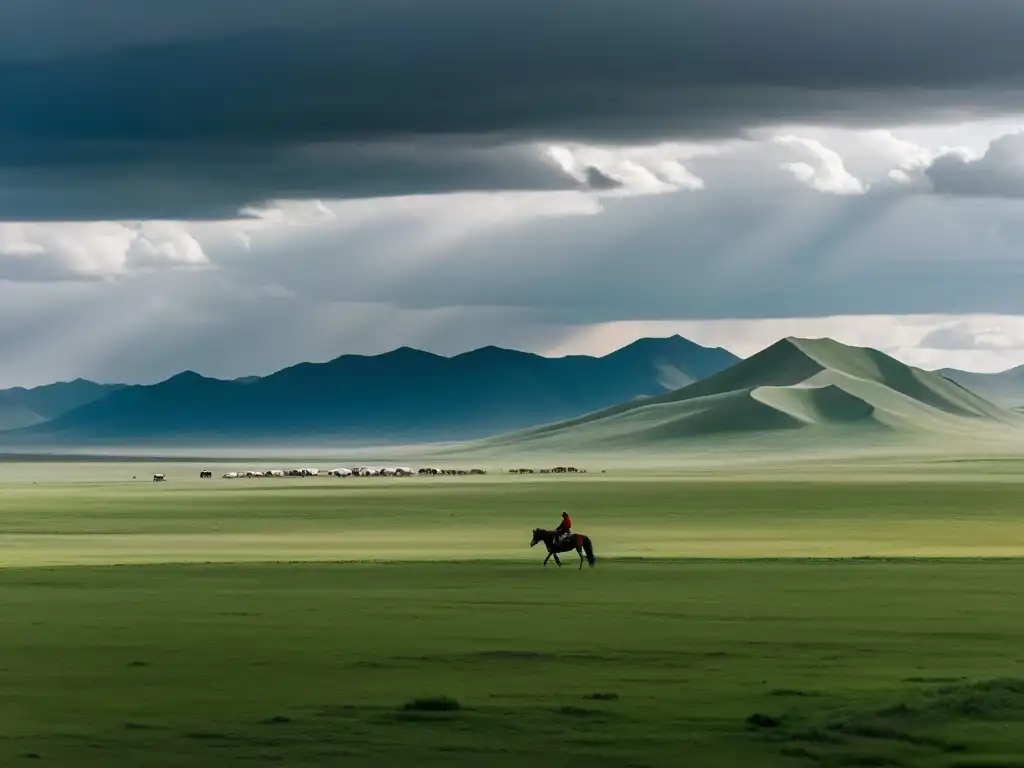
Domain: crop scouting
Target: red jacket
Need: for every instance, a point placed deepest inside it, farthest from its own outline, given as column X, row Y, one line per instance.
column 566, row 523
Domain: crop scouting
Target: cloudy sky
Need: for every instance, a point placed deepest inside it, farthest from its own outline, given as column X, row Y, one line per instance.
column 232, row 186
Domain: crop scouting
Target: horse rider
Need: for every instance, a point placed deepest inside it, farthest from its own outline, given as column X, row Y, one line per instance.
column 564, row 528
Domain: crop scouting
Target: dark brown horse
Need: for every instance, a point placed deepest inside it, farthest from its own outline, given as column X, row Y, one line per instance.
column 576, row 541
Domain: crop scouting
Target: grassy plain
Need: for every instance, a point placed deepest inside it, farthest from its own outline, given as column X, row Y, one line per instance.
column 290, row 622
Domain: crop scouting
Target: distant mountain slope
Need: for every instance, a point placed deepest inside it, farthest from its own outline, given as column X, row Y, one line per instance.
column 14, row 413
column 816, row 385
column 21, row 407
column 405, row 394
column 1005, row 388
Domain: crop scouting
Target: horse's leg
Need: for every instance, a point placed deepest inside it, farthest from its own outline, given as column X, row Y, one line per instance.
column 559, row 562
column 551, row 553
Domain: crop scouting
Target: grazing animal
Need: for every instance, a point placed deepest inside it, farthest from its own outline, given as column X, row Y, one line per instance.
column 205, row 473
column 576, row 541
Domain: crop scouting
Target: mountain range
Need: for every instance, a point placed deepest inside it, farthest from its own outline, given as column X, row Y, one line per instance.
column 813, row 387
column 21, row 407
column 1005, row 388
column 652, row 393
column 405, row 395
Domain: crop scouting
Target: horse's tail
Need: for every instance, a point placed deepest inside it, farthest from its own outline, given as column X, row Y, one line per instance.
column 589, row 549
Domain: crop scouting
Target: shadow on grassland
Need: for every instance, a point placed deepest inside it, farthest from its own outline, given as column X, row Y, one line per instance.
column 958, row 725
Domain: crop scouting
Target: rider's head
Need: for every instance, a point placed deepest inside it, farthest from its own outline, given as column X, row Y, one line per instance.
column 565, row 515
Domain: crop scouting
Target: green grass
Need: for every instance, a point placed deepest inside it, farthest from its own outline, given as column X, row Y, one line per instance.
column 473, row 519
column 319, row 664
column 714, row 631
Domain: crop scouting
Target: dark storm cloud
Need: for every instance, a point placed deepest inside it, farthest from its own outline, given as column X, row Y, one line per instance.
column 167, row 180
column 219, row 94
column 44, row 29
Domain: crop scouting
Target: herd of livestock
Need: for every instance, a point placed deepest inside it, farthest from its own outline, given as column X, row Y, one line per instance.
column 371, row 472
column 313, row 472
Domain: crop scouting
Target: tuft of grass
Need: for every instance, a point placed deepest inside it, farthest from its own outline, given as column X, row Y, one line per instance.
column 433, row 704
column 759, row 720
column 602, row 696
column 131, row 726
column 881, row 731
column 517, row 655
column 800, row 753
column 816, row 736
column 277, row 720
column 933, row 679
column 985, row 700
column 578, row 711
column 870, row 761
column 906, row 731
column 207, row 736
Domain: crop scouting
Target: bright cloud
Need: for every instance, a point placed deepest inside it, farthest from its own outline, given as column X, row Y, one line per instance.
column 641, row 170
column 93, row 250
column 825, row 171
